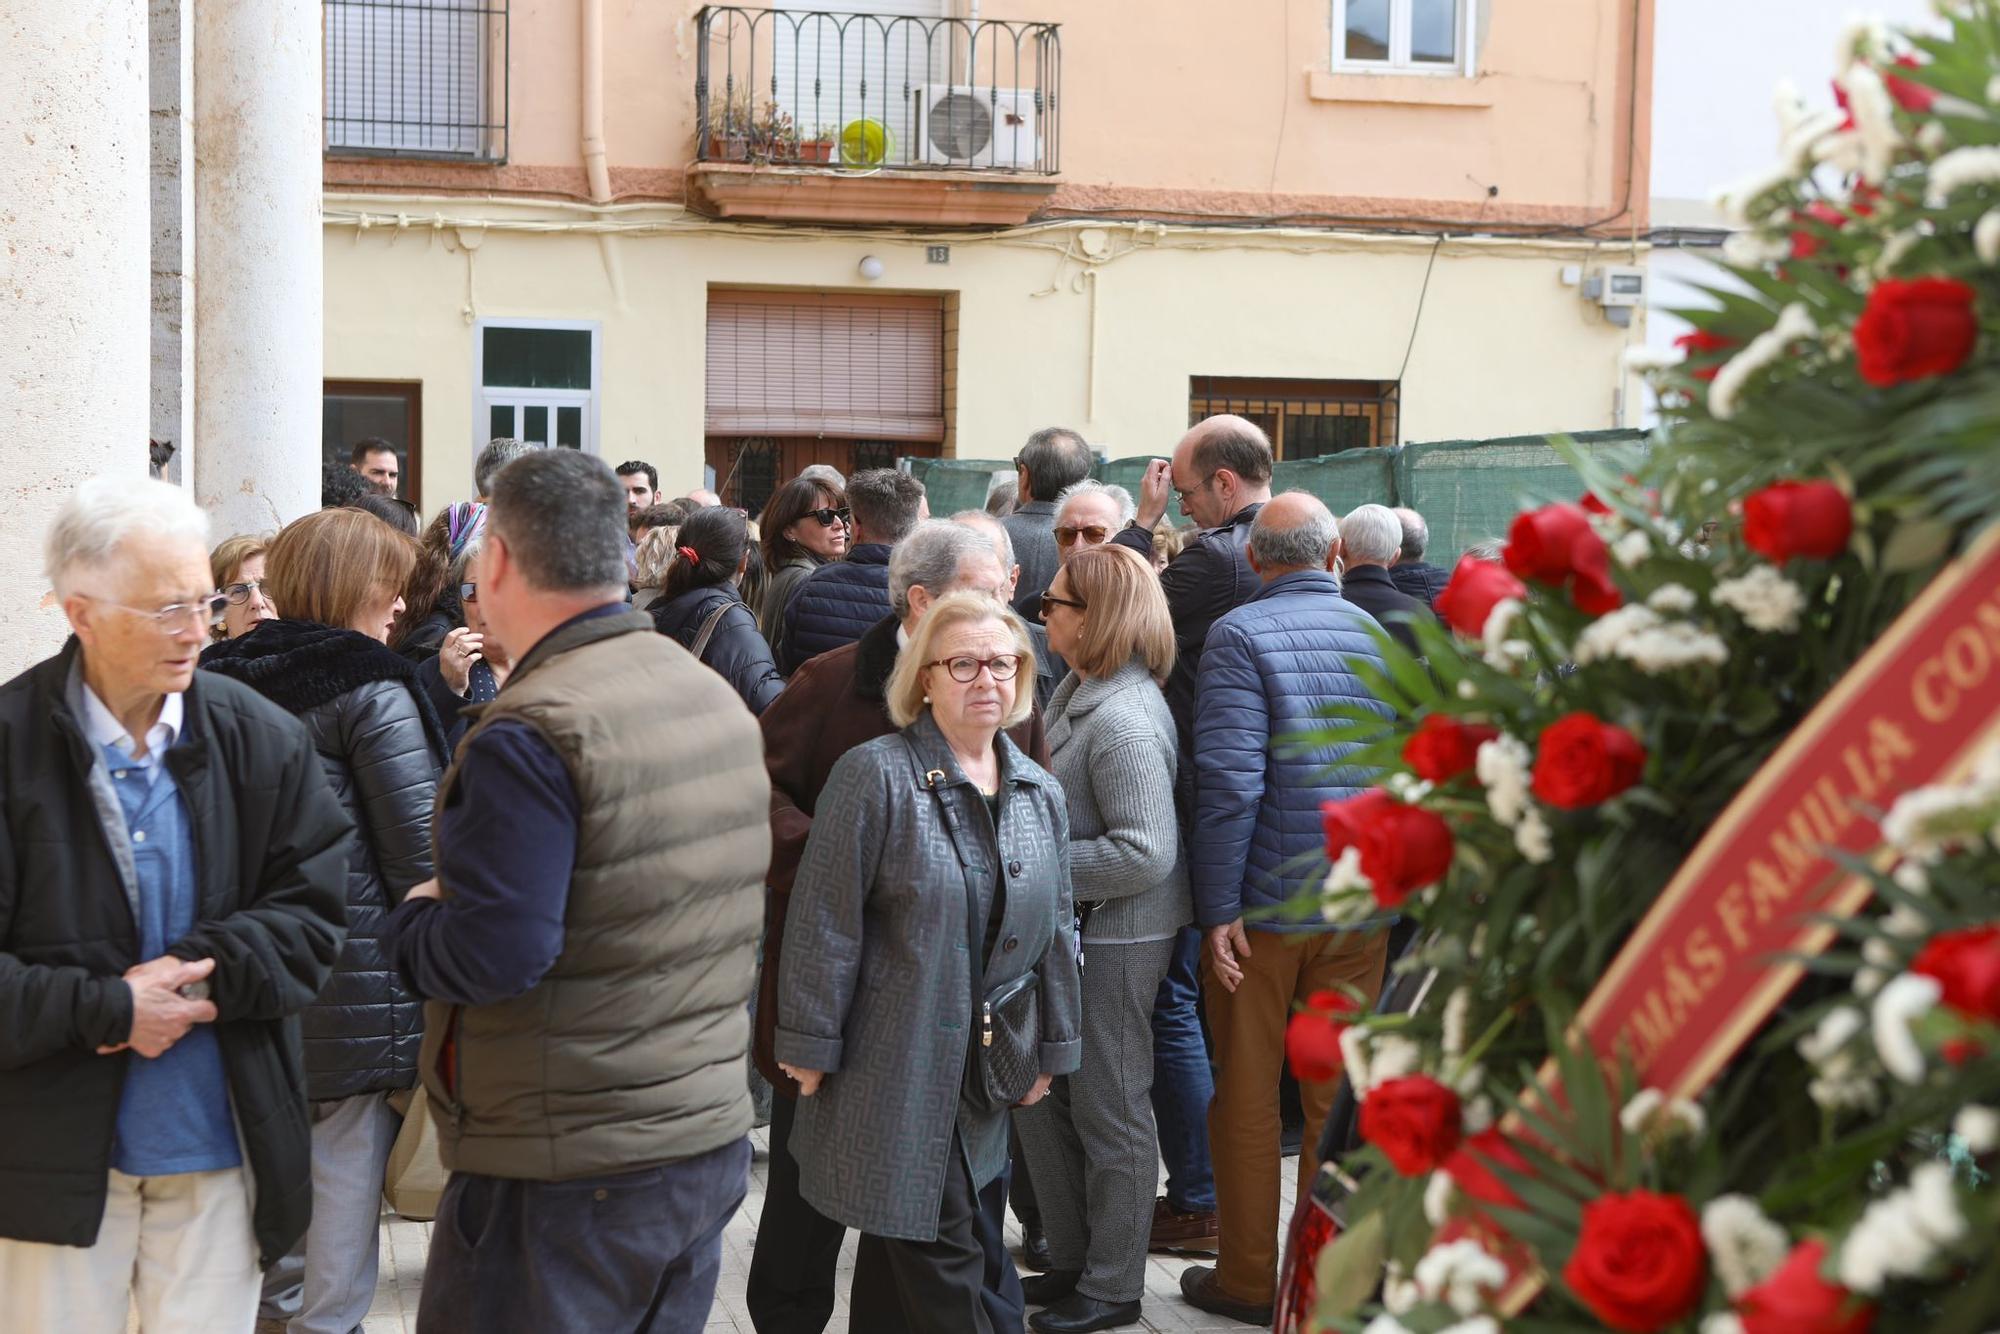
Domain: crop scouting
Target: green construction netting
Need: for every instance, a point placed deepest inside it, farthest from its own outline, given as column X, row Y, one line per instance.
column 958, row 484
column 1344, row 480
column 1470, row 490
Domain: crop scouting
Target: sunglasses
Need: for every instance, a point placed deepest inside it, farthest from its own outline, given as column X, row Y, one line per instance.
column 1093, row 535
column 827, row 517
column 468, row 592
column 1051, row 601
column 966, row 670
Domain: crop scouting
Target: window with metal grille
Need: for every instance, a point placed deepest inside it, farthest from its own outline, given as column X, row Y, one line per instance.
column 416, row 78
column 1305, row 419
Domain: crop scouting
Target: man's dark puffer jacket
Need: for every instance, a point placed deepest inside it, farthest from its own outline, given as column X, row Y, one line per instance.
column 837, row 604
column 736, row 651
column 382, row 748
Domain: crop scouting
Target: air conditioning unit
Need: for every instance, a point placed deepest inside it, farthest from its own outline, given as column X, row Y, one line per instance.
column 972, row 126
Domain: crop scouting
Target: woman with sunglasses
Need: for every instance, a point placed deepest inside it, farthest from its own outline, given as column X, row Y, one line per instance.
column 934, row 889
column 1092, row 1148
column 805, row 525
column 237, row 564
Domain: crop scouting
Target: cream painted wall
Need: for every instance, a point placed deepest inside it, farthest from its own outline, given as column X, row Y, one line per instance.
column 1503, row 346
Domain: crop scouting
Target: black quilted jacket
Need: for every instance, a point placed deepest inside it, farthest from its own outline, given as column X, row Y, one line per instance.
column 736, row 651
column 836, row 605
column 382, row 748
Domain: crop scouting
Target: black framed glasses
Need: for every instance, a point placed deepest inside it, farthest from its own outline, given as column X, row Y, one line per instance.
column 1051, row 601
column 239, row 593
column 1093, row 534
column 468, row 592
column 965, row 670
column 827, row 516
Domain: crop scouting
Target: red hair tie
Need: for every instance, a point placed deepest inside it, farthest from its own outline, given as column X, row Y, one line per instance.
column 693, row 556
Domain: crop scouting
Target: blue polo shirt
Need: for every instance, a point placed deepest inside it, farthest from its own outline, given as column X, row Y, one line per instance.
column 173, row 1115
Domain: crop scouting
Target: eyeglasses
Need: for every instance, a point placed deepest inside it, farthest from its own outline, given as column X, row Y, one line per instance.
column 1093, row 535
column 1050, row 600
column 1198, row 487
column 966, row 670
column 168, row 619
column 468, row 592
column 239, row 593
column 829, row 516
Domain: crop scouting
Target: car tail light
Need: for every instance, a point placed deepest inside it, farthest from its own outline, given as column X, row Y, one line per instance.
column 1313, row 1226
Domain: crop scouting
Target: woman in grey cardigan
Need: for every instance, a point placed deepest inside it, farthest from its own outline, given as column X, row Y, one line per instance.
column 875, row 1010
column 1092, row 1147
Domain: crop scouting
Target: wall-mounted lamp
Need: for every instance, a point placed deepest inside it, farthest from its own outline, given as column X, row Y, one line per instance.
column 871, row 268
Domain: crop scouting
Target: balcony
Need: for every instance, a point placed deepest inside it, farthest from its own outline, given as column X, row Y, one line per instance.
column 803, row 115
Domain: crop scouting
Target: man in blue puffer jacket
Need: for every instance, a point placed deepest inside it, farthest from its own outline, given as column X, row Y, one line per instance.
column 1266, row 669
column 842, row 600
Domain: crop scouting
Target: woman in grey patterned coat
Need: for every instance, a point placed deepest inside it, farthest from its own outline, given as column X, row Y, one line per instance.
column 875, row 1011
column 1092, row 1147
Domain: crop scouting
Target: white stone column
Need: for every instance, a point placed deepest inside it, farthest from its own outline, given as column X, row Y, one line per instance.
column 172, row 33
column 74, row 258
column 259, row 289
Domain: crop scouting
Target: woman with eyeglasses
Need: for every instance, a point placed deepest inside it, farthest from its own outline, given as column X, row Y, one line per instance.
column 700, row 609
column 237, row 564
column 805, row 525
column 1092, row 1148
column 932, row 907
column 339, row 574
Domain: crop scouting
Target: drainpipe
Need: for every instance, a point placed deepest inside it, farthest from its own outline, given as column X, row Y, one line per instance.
column 594, row 168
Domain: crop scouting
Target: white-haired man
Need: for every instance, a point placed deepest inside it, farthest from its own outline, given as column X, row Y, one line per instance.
column 1090, row 514
column 172, row 892
column 1371, row 540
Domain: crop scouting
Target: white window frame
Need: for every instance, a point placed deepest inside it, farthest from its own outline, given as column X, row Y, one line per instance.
column 1399, row 62
column 485, row 398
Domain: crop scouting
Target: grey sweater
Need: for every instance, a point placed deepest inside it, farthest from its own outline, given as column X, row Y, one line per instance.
column 1112, row 746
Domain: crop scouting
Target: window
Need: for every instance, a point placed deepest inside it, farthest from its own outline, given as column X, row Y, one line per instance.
column 1305, row 419
column 391, row 410
column 1403, row 36
column 537, row 380
column 416, row 78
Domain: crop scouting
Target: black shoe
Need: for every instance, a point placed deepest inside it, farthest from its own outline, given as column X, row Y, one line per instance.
column 1050, row 1288
column 1198, row 1287
column 1035, row 1250
column 1077, row 1314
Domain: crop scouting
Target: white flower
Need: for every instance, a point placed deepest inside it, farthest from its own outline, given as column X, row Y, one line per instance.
column 1961, row 169
column 1901, row 1002
column 1754, row 198
column 1407, row 788
column 1868, row 981
column 1745, row 1245
column 1478, row 1115
column 1651, row 1114
column 1869, row 103
column 1479, row 1324
column 1602, row 638
column 1400, row 1294
column 1721, row 1322
column 1933, row 138
column 1437, row 1198
column 1344, row 895
column 1640, row 360
column 1839, row 1083
column 1754, row 249
column 1895, row 249
column 1841, row 151
column 1836, row 1029
column 1460, row 1274
column 1632, row 548
column 1502, row 766
column 1533, row 838
column 1926, row 821
column 1767, row 348
column 1911, row 878
column 1900, row 1235
column 1766, row 600
column 1467, row 690
column 1861, row 37
column 1354, row 1057
column 1799, row 145
column 1385, row 1324
column 1673, row 599
column 1993, row 89
column 1457, row 1008
column 1391, row 1056
column 1986, row 237
column 1934, row 1204
column 1669, row 647
column 1979, row 1127
column 1501, row 652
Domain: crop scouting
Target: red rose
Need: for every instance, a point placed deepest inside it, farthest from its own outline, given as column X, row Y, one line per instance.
column 1967, row 965
column 1913, row 328
column 1312, row 1038
column 1475, row 588
column 1470, row 1171
column 1639, row 1265
column 1909, row 96
column 1442, row 747
column 1556, row 545
column 1582, row 760
column 1960, row 1052
column 1788, row 519
column 1796, row 1300
column 1415, row 1121
column 1805, row 241
column 1403, row 847
column 1701, row 341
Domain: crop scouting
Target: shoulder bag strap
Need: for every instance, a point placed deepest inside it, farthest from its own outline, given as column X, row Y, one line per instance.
column 975, row 938
column 700, row 646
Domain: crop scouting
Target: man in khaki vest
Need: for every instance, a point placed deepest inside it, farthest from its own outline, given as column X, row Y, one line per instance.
column 587, row 948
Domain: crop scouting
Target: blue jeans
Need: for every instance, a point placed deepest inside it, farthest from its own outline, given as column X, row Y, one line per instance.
column 1183, row 1083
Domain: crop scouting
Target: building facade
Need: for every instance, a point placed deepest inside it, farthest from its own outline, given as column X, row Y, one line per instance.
column 732, row 240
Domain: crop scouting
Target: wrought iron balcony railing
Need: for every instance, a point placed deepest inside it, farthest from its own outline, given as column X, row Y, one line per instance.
column 863, row 92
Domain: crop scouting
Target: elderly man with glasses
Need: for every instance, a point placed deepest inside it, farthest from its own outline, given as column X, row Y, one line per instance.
column 172, row 877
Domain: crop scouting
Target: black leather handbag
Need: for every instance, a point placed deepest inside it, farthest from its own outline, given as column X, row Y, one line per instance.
column 1007, row 1054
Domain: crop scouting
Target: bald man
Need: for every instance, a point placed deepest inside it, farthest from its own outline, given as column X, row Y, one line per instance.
column 1267, row 669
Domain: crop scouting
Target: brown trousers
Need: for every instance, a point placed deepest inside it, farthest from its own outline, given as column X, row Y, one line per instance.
column 1248, row 1029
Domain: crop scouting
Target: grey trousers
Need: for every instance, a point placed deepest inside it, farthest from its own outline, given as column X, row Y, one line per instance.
column 351, row 1139
column 1092, row 1144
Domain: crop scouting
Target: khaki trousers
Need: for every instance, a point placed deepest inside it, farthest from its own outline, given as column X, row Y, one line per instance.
column 1248, row 1030
column 178, row 1248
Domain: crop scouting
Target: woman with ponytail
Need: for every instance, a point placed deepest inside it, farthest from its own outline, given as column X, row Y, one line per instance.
column 700, row 607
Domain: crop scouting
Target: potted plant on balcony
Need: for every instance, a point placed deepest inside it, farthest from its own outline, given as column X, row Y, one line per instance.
column 774, row 138
column 729, row 128
column 819, row 148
